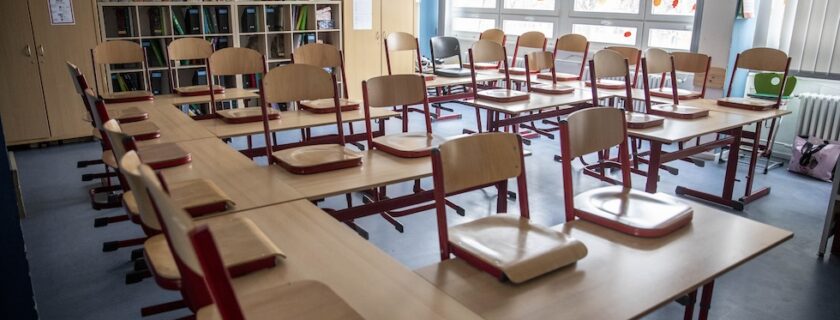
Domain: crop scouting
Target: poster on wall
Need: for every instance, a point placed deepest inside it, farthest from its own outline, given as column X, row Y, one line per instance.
column 362, row 14
column 61, row 12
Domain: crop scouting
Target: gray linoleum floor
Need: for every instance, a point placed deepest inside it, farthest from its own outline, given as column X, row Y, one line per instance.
column 73, row 279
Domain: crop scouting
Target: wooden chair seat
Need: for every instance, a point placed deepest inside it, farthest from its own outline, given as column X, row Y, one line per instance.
column 502, row 95
column 141, row 130
column 408, row 144
column 161, row 262
column 303, row 300
column 552, row 88
column 131, row 114
column 109, row 159
column 127, row 96
column 683, row 94
column 199, row 90
column 162, row 156
column 328, row 105
column 199, row 197
column 453, row 73
column 245, row 115
column 607, row 84
column 130, row 204
column 638, row 120
column 678, row 111
column 428, row 76
column 517, row 71
column 520, row 249
column 483, row 65
column 746, row 103
column 317, row 158
column 632, row 211
column 559, row 76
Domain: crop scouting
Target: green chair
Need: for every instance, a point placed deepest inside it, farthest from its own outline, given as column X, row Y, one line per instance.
column 767, row 86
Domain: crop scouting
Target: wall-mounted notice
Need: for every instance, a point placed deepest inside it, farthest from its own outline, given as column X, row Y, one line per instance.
column 362, row 14
column 61, row 12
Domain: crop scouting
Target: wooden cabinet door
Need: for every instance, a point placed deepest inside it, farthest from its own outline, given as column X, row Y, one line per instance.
column 55, row 45
column 363, row 53
column 22, row 108
column 399, row 16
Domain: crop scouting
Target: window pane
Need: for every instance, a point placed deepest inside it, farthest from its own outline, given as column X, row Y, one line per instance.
column 611, row 6
column 607, row 34
column 472, row 24
column 674, row 7
column 518, row 27
column 474, row 3
column 530, row 4
column 670, row 39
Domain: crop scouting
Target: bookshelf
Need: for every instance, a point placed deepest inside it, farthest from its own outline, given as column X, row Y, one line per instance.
column 274, row 28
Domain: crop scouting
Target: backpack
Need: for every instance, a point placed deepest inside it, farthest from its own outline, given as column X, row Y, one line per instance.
column 814, row 157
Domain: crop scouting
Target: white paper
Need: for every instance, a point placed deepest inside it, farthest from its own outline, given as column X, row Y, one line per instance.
column 61, row 12
column 362, row 14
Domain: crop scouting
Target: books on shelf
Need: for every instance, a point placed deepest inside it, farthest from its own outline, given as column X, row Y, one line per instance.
column 324, row 18
column 222, row 20
column 154, row 51
column 157, row 82
column 219, row 43
column 192, row 20
column 278, row 47
column 123, row 17
column 125, row 82
column 301, row 14
column 305, row 38
column 178, row 25
column 273, row 19
column 248, row 20
column 199, row 77
column 156, row 25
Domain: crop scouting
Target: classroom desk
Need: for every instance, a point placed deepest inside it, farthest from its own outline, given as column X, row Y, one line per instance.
column 319, row 248
column 622, row 277
column 175, row 126
column 443, row 93
column 246, row 183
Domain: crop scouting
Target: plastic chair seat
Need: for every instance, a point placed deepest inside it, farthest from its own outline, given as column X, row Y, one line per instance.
column 678, row 111
column 305, row 299
column 141, row 130
column 746, row 103
column 453, row 73
column 559, row 76
column 682, row 94
column 199, row 90
column 127, row 96
column 199, row 197
column 317, row 158
column 521, row 250
column 632, row 211
column 328, row 105
column 408, row 144
column 502, row 95
column 245, row 115
column 638, row 120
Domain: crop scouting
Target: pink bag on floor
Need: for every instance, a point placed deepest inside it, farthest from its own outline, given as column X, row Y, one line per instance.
column 814, row 157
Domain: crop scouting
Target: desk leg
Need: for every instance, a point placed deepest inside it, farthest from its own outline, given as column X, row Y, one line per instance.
column 706, row 300
column 653, row 166
column 749, row 196
column 689, row 306
column 728, row 180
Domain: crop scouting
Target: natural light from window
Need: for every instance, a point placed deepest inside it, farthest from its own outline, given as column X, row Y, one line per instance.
column 607, row 34
column 669, row 39
column 608, row 6
column 530, row 4
column 473, row 3
column 674, row 7
column 518, row 27
column 472, row 24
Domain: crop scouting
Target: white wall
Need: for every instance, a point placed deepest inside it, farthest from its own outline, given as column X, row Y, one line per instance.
column 716, row 34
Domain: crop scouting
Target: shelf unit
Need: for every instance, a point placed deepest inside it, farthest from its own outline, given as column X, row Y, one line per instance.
column 271, row 27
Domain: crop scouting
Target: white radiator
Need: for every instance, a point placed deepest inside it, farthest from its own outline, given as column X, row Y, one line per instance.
column 819, row 116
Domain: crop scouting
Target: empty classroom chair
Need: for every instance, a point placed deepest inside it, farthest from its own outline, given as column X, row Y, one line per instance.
column 570, row 43
column 443, row 48
column 486, row 51
column 539, row 61
column 402, row 42
column 232, row 62
column 633, row 56
column 122, row 52
column 189, row 49
column 533, row 40
column 687, row 62
column 497, row 36
column 328, row 57
column 657, row 61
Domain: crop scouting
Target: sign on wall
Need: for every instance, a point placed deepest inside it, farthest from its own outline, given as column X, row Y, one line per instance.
column 61, row 12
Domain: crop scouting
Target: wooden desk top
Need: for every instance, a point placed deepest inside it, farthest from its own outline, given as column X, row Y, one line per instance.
column 230, row 94
column 623, row 277
column 448, row 81
column 378, row 168
column 248, row 184
column 537, row 101
column 175, row 126
column 711, row 104
column 320, row 248
column 290, row 120
column 675, row 130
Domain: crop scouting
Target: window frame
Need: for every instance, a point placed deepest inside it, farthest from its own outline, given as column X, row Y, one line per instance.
column 473, row 15
column 667, row 26
column 511, row 39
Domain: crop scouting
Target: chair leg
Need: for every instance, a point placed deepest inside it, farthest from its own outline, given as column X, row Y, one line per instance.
column 114, row 199
column 163, row 307
column 137, row 254
column 87, row 163
column 104, row 221
column 137, row 276
column 114, row 245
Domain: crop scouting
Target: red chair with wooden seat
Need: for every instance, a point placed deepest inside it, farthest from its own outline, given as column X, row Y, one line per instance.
column 534, row 40
column 611, row 64
column 402, row 41
column 300, row 82
column 657, row 61
column 328, row 57
column 633, row 56
column 687, row 62
column 505, row 246
column 757, row 59
column 569, row 43
column 497, row 36
column 126, row 53
column 489, row 51
column 399, row 90
column 542, row 60
column 189, row 49
column 621, row 207
column 233, row 62
column 244, row 247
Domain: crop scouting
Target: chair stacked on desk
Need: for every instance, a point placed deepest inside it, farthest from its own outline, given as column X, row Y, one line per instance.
column 126, row 53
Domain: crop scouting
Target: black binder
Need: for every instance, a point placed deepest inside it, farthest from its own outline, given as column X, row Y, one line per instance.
column 192, row 19
column 157, row 82
column 199, row 77
column 156, row 21
column 249, row 20
column 223, row 19
column 272, row 17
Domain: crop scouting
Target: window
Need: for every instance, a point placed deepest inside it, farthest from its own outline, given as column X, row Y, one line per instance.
column 674, row 7
column 518, row 27
column 608, row 6
column 669, row 39
column 607, row 34
column 474, row 3
column 476, row 25
column 530, row 4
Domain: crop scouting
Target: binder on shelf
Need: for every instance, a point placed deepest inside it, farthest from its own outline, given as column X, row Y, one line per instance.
column 157, row 82
column 210, row 24
column 123, row 17
column 278, row 47
column 219, row 43
column 302, row 16
column 153, row 47
column 272, row 17
column 199, row 77
column 156, row 21
column 223, row 19
column 249, row 19
column 178, row 25
column 118, row 83
column 192, row 20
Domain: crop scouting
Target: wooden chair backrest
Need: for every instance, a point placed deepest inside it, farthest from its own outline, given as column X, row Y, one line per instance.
column 531, row 39
column 175, row 221
column 763, row 59
column 236, row 61
column 116, row 137
column 401, row 41
column 479, row 159
column 609, row 63
column 217, row 277
column 572, row 43
column 594, row 129
column 118, row 52
column 130, row 168
column 318, row 54
column 487, row 51
column 632, row 54
column 77, row 76
column 658, row 61
column 690, row 62
column 189, row 49
column 99, row 114
column 395, row 90
column 540, row 60
column 495, row 35
column 296, row 82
